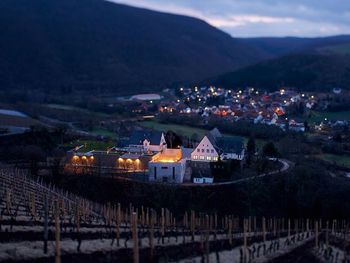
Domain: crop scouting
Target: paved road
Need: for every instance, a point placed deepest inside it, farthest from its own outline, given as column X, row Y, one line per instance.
column 285, row 166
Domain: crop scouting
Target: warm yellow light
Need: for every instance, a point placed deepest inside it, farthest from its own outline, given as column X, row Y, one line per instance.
column 84, row 157
column 75, row 157
column 120, row 159
column 91, row 157
column 137, row 160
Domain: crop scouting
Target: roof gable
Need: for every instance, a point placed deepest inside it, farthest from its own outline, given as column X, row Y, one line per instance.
column 206, row 142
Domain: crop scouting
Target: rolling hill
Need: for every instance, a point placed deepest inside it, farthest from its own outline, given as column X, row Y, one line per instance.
column 317, row 72
column 278, row 46
column 103, row 47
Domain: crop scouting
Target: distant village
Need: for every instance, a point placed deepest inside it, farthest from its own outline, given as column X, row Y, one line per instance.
column 146, row 153
column 248, row 104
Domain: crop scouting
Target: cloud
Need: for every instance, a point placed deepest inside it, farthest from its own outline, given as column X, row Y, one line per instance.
column 261, row 17
column 241, row 20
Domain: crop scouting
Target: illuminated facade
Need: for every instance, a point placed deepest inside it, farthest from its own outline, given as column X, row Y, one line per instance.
column 205, row 152
column 130, row 162
column 167, row 166
column 215, row 147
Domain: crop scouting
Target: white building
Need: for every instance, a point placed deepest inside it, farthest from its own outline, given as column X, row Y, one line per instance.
column 167, row 166
column 146, row 97
column 214, row 146
column 205, row 151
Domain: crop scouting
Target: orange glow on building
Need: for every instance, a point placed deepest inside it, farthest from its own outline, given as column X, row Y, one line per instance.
column 279, row 111
column 168, row 156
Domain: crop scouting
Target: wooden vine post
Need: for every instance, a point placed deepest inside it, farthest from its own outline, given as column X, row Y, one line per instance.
column 151, row 234
column 162, row 225
column 57, row 235
column 46, row 219
column 316, row 234
column 230, row 231
column 245, row 226
column 207, row 248
column 135, row 238
column 192, row 224
column 327, row 233
column 264, row 229
column 288, row 228
column 118, row 224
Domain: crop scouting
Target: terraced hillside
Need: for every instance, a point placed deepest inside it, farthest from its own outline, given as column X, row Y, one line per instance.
column 40, row 222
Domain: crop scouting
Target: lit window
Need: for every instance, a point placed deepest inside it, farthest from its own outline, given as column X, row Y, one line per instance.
column 195, row 157
column 215, row 158
column 208, row 158
column 201, row 157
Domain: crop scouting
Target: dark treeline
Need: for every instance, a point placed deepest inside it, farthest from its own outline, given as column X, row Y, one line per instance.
column 314, row 72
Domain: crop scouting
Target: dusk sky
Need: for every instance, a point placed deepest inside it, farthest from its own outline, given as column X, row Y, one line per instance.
column 246, row 18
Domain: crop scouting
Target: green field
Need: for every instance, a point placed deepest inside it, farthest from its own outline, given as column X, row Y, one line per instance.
column 339, row 49
column 10, row 120
column 318, row 116
column 73, row 108
column 179, row 129
column 90, row 145
column 187, row 130
column 105, row 133
column 341, row 160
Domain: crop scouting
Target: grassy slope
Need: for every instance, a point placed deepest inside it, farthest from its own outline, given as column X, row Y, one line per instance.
column 73, row 108
column 90, row 145
column 320, row 116
column 318, row 72
column 339, row 49
column 342, row 160
column 8, row 120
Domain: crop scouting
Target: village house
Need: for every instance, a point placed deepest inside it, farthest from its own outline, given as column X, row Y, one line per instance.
column 214, row 153
column 215, row 146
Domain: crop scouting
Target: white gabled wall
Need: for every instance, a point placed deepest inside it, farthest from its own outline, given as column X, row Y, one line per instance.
column 204, row 152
